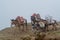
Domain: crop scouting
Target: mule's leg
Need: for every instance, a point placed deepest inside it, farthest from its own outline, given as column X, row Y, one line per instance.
column 47, row 26
column 18, row 27
column 54, row 26
column 32, row 23
column 23, row 27
column 26, row 26
column 11, row 25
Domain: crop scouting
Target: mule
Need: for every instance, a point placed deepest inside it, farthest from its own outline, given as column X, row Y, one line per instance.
column 54, row 25
column 22, row 22
column 35, row 19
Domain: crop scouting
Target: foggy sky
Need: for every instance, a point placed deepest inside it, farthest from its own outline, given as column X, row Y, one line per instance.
column 9, row 9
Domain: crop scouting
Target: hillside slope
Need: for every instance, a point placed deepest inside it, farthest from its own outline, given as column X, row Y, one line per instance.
column 13, row 33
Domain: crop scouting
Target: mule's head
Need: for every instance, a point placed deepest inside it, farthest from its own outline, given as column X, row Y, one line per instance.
column 12, row 19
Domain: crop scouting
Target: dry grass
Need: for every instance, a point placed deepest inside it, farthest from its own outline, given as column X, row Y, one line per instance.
column 14, row 34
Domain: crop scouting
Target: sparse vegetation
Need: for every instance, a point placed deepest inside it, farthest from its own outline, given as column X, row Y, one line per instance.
column 15, row 34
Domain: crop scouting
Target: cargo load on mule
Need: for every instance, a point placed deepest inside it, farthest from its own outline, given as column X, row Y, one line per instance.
column 19, row 22
column 42, row 24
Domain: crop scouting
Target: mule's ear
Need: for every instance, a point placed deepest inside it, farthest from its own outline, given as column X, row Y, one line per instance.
column 12, row 19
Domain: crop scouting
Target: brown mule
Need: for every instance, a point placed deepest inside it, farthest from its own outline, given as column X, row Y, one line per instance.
column 22, row 22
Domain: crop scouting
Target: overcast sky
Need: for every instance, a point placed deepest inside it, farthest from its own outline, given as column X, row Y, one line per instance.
column 9, row 9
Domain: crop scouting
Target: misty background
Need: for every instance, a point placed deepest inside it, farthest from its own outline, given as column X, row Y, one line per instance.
column 10, row 9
